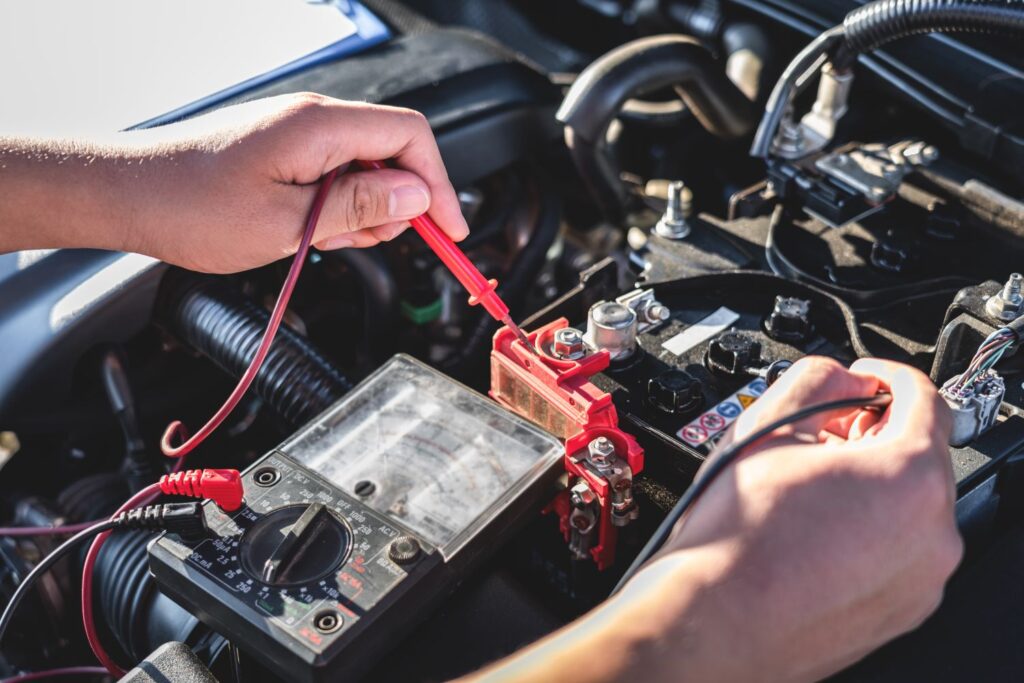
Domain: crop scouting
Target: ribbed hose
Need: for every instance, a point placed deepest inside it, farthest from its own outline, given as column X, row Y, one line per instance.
column 216, row 319
column 875, row 24
column 883, row 21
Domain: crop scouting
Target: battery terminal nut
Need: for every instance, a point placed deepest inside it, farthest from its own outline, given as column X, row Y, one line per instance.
column 568, row 344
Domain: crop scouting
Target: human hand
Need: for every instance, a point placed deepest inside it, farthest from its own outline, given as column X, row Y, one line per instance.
column 230, row 190
column 825, row 540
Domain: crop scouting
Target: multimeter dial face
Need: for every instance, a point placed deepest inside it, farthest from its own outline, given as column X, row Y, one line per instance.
column 298, row 544
column 298, row 550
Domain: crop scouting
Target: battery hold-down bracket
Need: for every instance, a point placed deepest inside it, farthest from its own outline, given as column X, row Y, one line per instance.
column 556, row 393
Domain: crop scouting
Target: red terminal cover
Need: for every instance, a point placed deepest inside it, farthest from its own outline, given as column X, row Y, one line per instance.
column 558, row 395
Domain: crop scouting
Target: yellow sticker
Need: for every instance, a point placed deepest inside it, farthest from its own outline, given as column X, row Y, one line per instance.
column 745, row 400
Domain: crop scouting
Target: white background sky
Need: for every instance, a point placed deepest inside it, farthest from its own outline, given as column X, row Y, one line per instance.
column 73, row 66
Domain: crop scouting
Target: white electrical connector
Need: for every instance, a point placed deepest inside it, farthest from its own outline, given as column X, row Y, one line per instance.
column 975, row 406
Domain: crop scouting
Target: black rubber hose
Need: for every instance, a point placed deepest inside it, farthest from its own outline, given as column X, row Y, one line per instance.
column 877, row 23
column 379, row 290
column 212, row 316
column 702, row 19
column 782, row 95
column 633, row 70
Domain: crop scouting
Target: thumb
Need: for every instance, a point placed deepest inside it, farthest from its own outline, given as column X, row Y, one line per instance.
column 368, row 199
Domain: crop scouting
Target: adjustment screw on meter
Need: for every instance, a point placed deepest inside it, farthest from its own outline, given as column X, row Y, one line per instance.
column 365, row 488
column 404, row 549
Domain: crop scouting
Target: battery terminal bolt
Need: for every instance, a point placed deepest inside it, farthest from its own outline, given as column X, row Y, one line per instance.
column 1008, row 304
column 601, row 451
column 568, row 344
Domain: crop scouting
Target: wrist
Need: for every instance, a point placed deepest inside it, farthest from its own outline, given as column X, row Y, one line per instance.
column 679, row 632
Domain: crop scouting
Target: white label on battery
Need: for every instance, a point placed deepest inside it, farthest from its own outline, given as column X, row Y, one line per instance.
column 707, row 428
column 701, row 331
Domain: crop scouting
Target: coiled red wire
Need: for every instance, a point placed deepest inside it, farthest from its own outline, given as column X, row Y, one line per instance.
column 176, row 429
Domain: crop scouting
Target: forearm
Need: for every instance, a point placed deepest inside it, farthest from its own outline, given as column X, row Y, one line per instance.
column 79, row 193
column 655, row 630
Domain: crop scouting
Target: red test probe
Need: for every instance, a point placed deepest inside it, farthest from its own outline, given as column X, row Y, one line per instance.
column 481, row 290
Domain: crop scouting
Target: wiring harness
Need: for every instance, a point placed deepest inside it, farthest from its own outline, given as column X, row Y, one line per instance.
column 988, row 354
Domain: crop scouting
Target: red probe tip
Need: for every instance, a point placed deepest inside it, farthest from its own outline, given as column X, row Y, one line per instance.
column 520, row 335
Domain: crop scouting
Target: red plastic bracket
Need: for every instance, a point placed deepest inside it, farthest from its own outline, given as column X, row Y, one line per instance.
column 558, row 395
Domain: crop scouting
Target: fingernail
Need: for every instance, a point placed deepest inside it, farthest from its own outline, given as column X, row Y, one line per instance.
column 336, row 242
column 407, row 201
column 394, row 232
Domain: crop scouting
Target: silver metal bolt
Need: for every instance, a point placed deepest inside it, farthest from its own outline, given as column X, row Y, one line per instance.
column 1011, row 290
column 655, row 313
column 568, row 344
column 673, row 223
column 601, row 450
column 790, row 141
column 1008, row 304
column 581, row 495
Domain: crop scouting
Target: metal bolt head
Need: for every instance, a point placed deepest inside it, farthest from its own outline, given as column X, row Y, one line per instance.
column 656, row 313
column 568, row 344
column 581, row 495
column 1008, row 304
column 673, row 223
column 601, row 450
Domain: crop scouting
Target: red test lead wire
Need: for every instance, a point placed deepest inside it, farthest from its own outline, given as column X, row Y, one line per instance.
column 223, row 487
column 176, row 429
column 481, row 290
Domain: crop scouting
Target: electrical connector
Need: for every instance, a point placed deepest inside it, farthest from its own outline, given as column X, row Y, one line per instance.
column 223, row 487
column 184, row 519
column 975, row 405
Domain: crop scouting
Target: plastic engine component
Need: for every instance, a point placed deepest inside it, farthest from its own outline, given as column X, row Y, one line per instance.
column 975, row 408
column 556, row 393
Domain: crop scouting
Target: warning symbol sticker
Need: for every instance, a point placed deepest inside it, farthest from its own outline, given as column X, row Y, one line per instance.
column 712, row 421
column 757, row 387
column 745, row 400
column 694, row 434
column 704, row 431
column 729, row 409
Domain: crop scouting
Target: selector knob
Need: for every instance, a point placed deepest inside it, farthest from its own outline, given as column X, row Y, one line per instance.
column 298, row 544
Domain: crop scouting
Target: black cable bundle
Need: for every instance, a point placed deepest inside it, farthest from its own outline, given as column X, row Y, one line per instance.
column 875, row 24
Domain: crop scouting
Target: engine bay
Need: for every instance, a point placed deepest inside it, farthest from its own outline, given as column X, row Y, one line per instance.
column 448, row 493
